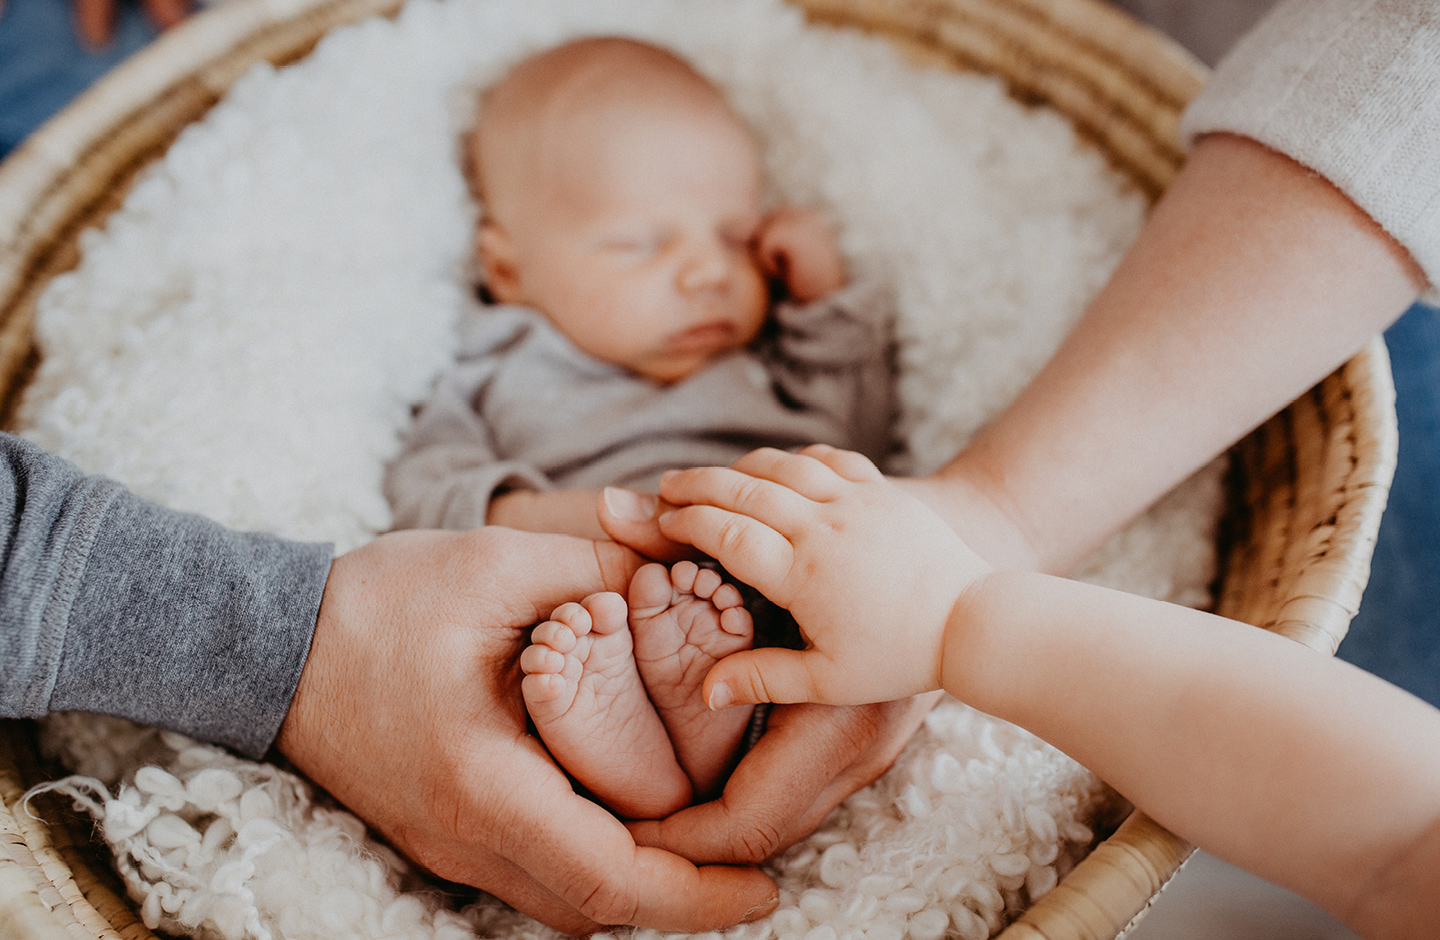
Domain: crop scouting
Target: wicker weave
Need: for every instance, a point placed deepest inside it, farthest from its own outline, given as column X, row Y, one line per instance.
column 1307, row 489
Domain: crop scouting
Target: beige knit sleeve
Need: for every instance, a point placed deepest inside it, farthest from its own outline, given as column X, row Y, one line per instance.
column 1351, row 89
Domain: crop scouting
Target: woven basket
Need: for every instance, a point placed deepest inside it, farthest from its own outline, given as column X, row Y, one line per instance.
column 1307, row 489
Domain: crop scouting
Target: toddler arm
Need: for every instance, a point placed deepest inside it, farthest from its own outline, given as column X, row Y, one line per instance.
column 1289, row 763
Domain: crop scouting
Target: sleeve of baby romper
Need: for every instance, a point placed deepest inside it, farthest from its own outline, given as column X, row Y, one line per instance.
column 837, row 355
column 450, row 469
column 115, row 605
column 1351, row 89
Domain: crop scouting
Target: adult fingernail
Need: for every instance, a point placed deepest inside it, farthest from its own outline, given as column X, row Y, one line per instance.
column 721, row 696
column 629, row 505
column 761, row 909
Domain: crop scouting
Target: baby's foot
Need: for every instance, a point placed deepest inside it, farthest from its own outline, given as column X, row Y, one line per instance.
column 590, row 708
column 684, row 621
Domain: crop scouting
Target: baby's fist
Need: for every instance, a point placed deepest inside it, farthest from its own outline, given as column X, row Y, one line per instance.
column 798, row 246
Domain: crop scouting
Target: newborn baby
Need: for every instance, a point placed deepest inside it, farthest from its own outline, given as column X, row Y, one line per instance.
column 624, row 241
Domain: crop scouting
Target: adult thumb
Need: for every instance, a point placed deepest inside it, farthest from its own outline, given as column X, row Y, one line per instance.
column 632, row 519
column 763, row 675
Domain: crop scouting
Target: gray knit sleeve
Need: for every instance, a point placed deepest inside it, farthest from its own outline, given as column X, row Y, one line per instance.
column 112, row 604
column 450, row 467
column 836, row 355
column 1350, row 89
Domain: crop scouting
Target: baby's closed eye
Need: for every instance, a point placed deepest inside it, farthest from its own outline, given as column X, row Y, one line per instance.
column 637, row 244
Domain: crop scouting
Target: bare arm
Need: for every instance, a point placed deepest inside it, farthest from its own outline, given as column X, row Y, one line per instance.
column 1299, row 767
column 563, row 512
column 1251, row 281
column 1281, row 760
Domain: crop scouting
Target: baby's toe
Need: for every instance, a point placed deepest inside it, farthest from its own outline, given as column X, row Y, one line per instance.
column 574, row 616
column 707, row 580
column 736, row 621
column 556, row 635
column 726, row 596
column 608, row 612
column 683, row 575
column 543, row 693
column 541, row 660
column 650, row 590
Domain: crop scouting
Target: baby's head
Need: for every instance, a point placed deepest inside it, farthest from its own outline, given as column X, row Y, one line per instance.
column 621, row 198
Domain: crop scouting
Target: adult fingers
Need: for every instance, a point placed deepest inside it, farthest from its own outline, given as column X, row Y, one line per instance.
column 748, row 548
column 93, row 20
column 631, row 519
column 762, row 675
column 809, row 759
column 581, row 855
column 847, row 463
column 532, row 573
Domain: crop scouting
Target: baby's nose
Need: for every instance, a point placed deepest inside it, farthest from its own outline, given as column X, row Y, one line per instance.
column 705, row 269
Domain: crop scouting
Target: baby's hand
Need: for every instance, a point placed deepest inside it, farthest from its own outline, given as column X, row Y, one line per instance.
column 870, row 573
column 798, row 246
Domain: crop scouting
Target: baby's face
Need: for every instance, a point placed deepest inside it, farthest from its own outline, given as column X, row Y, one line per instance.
column 637, row 238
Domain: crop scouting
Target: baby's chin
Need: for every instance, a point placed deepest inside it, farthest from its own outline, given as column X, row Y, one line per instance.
column 671, row 369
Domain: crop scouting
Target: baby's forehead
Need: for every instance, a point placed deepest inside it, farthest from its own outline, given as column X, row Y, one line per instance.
column 590, row 86
column 598, row 68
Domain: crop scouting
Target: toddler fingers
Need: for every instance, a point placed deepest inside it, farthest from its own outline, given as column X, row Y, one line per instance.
column 773, row 504
column 762, row 675
column 750, row 550
column 853, row 466
column 805, row 472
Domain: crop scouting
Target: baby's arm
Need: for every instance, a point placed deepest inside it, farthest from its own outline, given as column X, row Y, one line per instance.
column 1294, row 765
column 562, row 512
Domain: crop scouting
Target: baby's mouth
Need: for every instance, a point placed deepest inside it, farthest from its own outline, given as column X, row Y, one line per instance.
column 707, row 337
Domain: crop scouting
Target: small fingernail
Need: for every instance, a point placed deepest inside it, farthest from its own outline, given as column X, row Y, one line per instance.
column 721, row 696
column 665, row 517
column 629, row 505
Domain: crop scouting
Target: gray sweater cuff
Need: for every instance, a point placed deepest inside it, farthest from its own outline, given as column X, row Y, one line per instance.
column 166, row 618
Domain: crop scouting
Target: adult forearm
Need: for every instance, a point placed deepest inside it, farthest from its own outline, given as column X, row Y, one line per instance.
column 1251, row 281
column 113, row 604
column 1252, row 746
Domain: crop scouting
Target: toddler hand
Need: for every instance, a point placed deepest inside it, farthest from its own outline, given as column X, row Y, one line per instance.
column 869, row 572
column 798, row 246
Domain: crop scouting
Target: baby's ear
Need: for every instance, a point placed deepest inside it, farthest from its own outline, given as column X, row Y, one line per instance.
column 496, row 255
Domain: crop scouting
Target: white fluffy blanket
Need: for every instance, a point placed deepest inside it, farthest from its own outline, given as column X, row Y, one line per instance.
column 245, row 336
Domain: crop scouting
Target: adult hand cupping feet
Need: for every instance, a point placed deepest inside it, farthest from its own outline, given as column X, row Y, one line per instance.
column 410, row 713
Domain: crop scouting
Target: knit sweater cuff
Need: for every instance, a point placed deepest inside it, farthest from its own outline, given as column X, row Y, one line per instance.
column 1350, row 89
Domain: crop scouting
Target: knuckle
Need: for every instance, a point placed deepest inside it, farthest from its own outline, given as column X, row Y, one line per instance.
column 759, row 840
column 749, row 491
column 732, row 535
